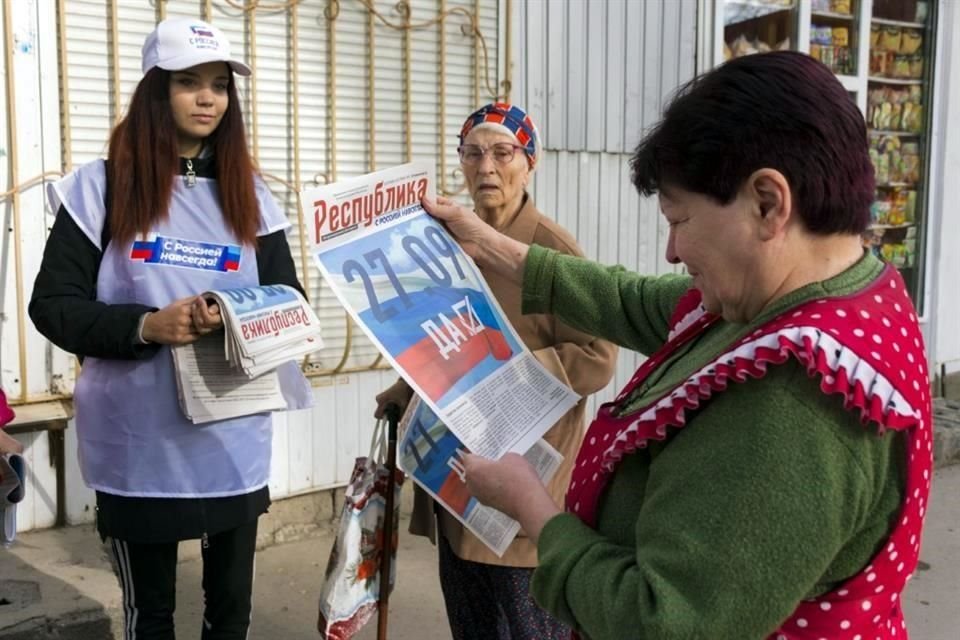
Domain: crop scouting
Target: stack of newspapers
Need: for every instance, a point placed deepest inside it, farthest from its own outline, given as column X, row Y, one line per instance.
column 234, row 372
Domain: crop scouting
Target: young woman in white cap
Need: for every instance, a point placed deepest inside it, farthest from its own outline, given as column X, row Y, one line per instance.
column 119, row 283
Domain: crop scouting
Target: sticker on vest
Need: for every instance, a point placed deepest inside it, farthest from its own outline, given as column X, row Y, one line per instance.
column 192, row 254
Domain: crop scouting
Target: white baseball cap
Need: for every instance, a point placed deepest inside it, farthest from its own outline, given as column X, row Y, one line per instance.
column 180, row 43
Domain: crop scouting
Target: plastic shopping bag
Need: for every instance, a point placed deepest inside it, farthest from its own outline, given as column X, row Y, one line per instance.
column 351, row 586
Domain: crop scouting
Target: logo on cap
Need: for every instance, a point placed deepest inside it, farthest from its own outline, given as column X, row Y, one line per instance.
column 202, row 31
column 203, row 38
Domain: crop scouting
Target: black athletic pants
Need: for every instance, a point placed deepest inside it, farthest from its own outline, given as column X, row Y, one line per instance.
column 148, row 579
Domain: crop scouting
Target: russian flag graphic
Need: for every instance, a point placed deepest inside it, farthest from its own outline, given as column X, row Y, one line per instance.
column 231, row 259
column 143, row 249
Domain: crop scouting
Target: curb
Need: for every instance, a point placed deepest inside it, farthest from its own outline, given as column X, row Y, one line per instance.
column 93, row 624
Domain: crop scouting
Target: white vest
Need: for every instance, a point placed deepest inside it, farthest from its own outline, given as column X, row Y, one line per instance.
column 133, row 438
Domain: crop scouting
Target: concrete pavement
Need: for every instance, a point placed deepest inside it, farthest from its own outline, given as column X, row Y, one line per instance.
column 81, row 600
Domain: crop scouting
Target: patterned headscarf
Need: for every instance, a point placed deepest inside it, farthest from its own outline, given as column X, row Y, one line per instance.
column 509, row 119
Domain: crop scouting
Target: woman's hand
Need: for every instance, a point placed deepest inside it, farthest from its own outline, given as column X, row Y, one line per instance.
column 181, row 322
column 466, row 226
column 206, row 317
column 399, row 393
column 510, row 485
column 480, row 241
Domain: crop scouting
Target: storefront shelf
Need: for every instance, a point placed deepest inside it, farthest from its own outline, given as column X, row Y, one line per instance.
column 896, row 185
column 903, row 81
column 899, row 23
column 830, row 15
column 889, row 132
column 887, row 227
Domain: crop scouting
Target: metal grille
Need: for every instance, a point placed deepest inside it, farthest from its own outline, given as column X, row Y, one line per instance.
column 340, row 88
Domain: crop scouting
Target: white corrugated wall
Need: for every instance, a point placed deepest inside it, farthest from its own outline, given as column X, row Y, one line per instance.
column 594, row 76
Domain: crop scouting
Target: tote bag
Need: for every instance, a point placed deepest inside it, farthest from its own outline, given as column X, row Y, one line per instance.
column 348, row 598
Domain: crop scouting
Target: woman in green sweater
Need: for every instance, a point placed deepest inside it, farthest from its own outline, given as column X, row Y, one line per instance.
column 765, row 473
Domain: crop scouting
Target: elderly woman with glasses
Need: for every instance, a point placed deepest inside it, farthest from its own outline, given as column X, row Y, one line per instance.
column 486, row 596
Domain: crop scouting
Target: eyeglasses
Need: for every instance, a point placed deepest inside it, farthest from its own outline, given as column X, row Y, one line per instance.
column 501, row 152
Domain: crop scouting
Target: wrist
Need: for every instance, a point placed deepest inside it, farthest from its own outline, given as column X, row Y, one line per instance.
column 536, row 515
column 505, row 256
column 141, row 326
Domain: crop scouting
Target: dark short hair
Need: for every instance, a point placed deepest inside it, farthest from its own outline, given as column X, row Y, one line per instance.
column 781, row 110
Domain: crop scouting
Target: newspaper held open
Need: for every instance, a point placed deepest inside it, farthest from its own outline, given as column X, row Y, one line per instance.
column 232, row 372
column 427, row 308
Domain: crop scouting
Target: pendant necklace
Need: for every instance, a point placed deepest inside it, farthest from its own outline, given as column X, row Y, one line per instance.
column 190, row 179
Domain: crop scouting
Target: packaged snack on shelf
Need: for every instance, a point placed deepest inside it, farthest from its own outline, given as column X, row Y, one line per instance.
column 840, row 37
column 883, row 116
column 821, row 34
column 845, row 61
column 916, row 66
column 840, row 6
column 895, row 254
column 896, row 110
column 815, row 51
column 913, row 121
column 906, row 116
column 827, row 57
column 872, row 240
column 887, row 158
column 875, row 36
column 910, row 213
column 917, row 124
column 880, row 211
column 901, row 66
column 875, row 98
column 891, row 145
column 890, row 39
column 909, row 252
column 898, row 208
column 910, row 155
column 820, row 5
column 881, row 166
column 910, row 41
column 881, row 62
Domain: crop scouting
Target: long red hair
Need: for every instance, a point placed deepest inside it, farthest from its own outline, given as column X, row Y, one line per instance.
column 142, row 161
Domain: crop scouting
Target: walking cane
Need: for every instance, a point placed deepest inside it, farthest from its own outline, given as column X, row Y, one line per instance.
column 392, row 412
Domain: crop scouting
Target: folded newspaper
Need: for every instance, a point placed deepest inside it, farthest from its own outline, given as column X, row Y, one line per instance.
column 427, row 453
column 232, row 372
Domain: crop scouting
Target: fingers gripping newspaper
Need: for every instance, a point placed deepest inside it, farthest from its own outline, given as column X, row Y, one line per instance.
column 425, row 305
column 233, row 372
